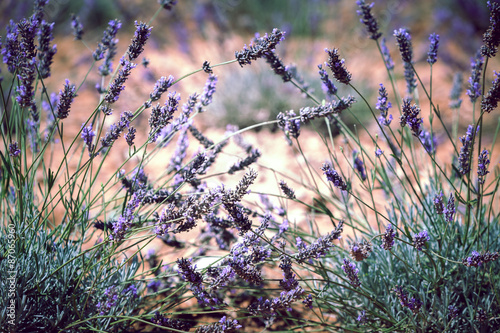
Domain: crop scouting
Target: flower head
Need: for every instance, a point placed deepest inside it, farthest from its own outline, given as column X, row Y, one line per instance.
column 45, row 52
column 352, row 273
column 389, row 63
column 117, row 85
column 208, row 92
column 337, row 66
column 449, row 211
column 260, row 47
column 365, row 11
column 160, row 87
column 327, row 85
column 420, row 239
column 383, row 105
column 482, row 166
column 77, row 27
column 403, row 39
column 491, row 37
column 65, row 99
column 14, row 150
column 433, row 49
column 320, row 246
column 476, row 259
column 490, row 100
column 474, row 90
column 88, row 137
column 287, row 190
column 411, row 117
column 142, row 33
column 360, row 251
column 388, row 238
column 333, row 176
column 438, row 203
column 360, row 167
column 466, row 150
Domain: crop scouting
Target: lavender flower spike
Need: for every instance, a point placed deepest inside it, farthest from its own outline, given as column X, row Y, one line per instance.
column 328, row 85
column 490, row 101
column 474, row 90
column 45, row 52
column 410, row 117
column 161, row 86
column 117, row 85
column 65, row 99
column 383, row 106
column 365, row 11
column 433, row 49
column 287, row 190
column 403, row 39
column 77, row 27
column 142, row 33
column 259, row 47
column 466, row 150
column 482, row 166
column 420, row 239
column 388, row 238
column 438, row 203
column 352, row 273
column 337, row 66
column 389, row 63
column 333, row 176
column 449, row 211
column 14, row 150
column 117, row 129
column 491, row 37
column 208, row 92
column 88, row 137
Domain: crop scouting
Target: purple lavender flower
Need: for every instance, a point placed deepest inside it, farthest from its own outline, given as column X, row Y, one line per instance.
column 362, row 318
column 482, row 166
column 320, row 246
column 77, row 27
column 389, row 63
column 411, row 118
column 116, row 129
column 289, row 125
column 308, row 302
column 208, row 92
column 438, row 203
column 452, row 311
column 242, row 164
column 420, row 239
column 414, row 305
column 433, row 49
column 466, row 151
column 411, row 81
column 333, row 176
column 360, row 250
column 456, row 91
column 337, row 66
column 124, row 222
column 378, row 152
column 180, row 152
column 45, row 52
column 360, row 167
column 491, row 37
column 117, row 85
column 228, row 325
column 160, row 87
column 27, row 31
column 161, row 116
column 277, row 66
column 474, row 90
column 428, row 141
column 260, row 47
column 108, row 41
column 383, row 105
column 490, row 100
column 477, row 259
column 130, row 136
column 187, row 271
column 142, row 33
column 328, row 86
column 388, row 238
column 289, row 281
column 10, row 51
column 65, row 99
column 159, row 319
column 287, row 190
column 449, row 211
column 88, row 137
column 352, row 273
column 110, row 299
column 335, row 107
column 14, row 150
column 25, row 90
column 403, row 39
column 365, row 11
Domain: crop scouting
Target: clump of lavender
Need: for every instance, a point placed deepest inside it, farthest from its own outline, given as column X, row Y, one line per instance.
column 491, row 37
column 77, row 27
column 477, row 259
column 403, row 39
column 388, row 238
column 333, row 176
column 490, row 100
column 142, row 33
column 482, row 166
column 351, row 271
column 466, row 151
column 320, row 246
column 117, row 85
column 287, row 190
column 260, row 47
column 65, row 99
column 337, row 66
column 420, row 239
column 411, row 118
column 365, row 11
column 474, row 90
column 360, row 250
column 433, row 49
column 327, row 84
column 14, row 150
column 383, row 105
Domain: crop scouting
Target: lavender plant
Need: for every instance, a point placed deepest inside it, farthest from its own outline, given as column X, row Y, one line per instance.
column 412, row 236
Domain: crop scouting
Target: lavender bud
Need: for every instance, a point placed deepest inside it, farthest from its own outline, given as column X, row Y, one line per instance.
column 490, row 100
column 65, row 99
column 333, row 176
column 160, row 87
column 88, row 137
column 482, row 166
column 117, row 129
column 410, row 117
column 77, row 27
column 389, row 63
column 383, row 105
column 474, row 90
column 142, row 33
column 420, row 239
column 335, row 107
column 14, row 150
column 438, row 203
column 167, row 4
column 449, row 211
column 108, row 41
column 337, row 66
column 320, row 246
column 208, row 91
column 491, row 37
column 288, row 191
column 466, row 150
column 360, row 251
column 110, row 299
column 477, row 259
column 130, row 136
column 433, row 49
column 428, row 141
column 365, row 11
column 45, row 52
column 362, row 318
column 360, row 167
column 259, row 47
column 161, row 116
column 242, row 164
column 453, row 311
column 277, row 66
column 352, row 273
column 328, row 86
column 117, row 85
column 403, row 39
column 388, row 238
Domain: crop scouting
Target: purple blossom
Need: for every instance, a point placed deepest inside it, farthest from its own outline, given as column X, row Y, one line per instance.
column 389, row 63
column 77, row 27
column 188, row 272
column 328, row 86
column 45, row 52
column 365, row 11
column 14, row 150
column 242, row 164
column 161, row 116
column 65, row 99
column 130, row 136
column 124, row 222
column 420, row 239
column 378, row 152
column 360, row 167
column 352, row 273
column 362, row 318
column 160, row 87
column 308, row 301
column 449, row 211
column 117, row 85
column 142, row 33
column 337, row 66
column 474, row 90
column 491, row 37
column 330, row 108
column 26, row 76
column 287, row 190
column 433, row 48
column 208, row 92
column 414, row 304
column 490, row 100
column 10, row 50
column 466, row 151
column 110, row 299
column 411, row 118
column 277, row 66
column 116, row 129
column 360, row 250
column 88, row 137
column 453, row 311
column 477, row 259
column 403, row 39
column 383, row 105
column 108, row 41
column 159, row 319
column 289, row 125
column 180, row 151
column 320, row 246
column 333, row 176
column 428, row 141
column 482, row 165
column 259, row 47
column 438, row 203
